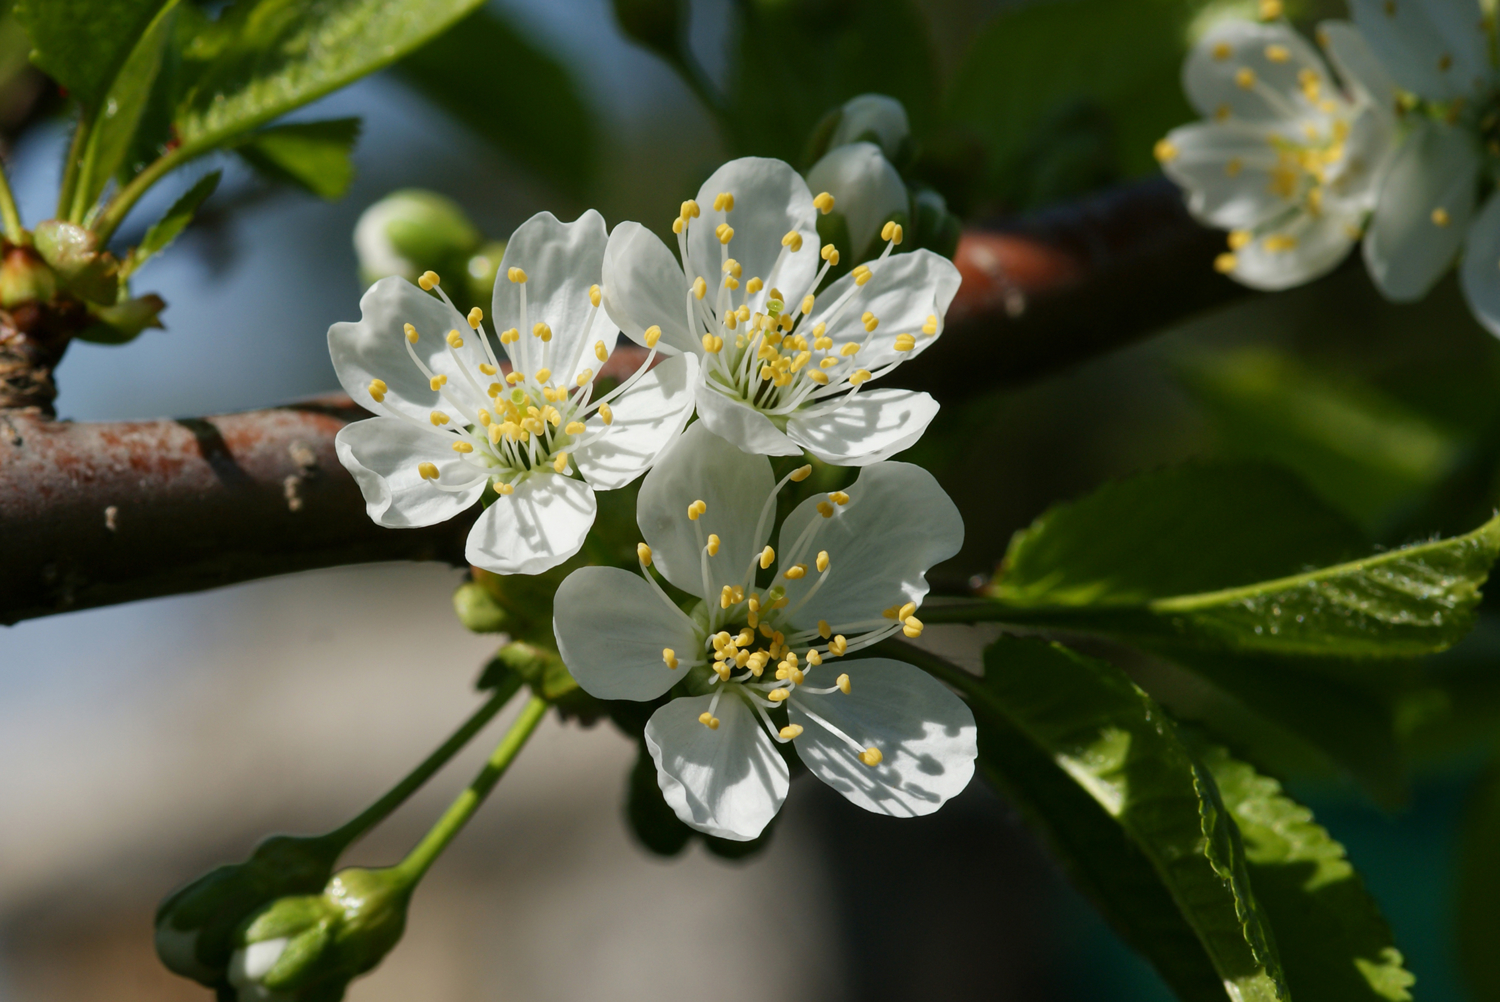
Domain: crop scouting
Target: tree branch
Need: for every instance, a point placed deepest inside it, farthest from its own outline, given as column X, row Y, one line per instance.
column 96, row 514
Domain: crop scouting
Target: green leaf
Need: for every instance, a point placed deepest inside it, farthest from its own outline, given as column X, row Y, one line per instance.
column 550, row 131
column 264, row 58
column 1478, row 882
column 1092, row 723
column 113, row 132
column 83, row 43
column 312, row 155
column 123, row 322
column 1189, row 553
column 1333, row 940
column 168, row 227
column 1364, row 451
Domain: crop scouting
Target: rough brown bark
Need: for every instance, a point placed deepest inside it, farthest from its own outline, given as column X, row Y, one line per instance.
column 95, row 514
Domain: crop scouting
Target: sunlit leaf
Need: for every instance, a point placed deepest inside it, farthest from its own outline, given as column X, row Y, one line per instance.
column 83, row 43
column 312, row 155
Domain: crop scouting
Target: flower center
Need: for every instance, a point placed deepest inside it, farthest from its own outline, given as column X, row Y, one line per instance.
column 508, row 425
column 781, row 359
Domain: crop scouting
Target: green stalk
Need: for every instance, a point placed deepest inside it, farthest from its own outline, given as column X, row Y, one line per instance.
column 10, row 217
column 346, row 834
column 462, row 809
column 70, row 166
column 124, row 200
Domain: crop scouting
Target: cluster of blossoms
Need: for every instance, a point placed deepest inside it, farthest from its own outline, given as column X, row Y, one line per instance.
column 1396, row 154
column 743, row 328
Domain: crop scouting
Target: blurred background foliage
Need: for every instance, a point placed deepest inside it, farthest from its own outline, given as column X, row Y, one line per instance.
column 1386, row 414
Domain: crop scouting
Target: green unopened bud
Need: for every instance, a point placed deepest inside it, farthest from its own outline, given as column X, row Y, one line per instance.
column 195, row 926
column 307, row 948
column 412, row 231
column 82, row 268
column 656, row 24
column 477, row 609
column 25, row 277
column 867, row 192
column 868, row 118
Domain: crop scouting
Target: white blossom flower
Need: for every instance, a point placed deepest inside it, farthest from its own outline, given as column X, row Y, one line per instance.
column 866, row 188
column 1288, row 161
column 873, row 118
column 1439, row 52
column 783, row 368
column 883, row 733
column 452, row 425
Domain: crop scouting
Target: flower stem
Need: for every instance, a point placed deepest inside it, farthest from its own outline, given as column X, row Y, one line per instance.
column 346, row 834
column 70, row 166
column 10, row 217
column 462, row 809
column 124, row 200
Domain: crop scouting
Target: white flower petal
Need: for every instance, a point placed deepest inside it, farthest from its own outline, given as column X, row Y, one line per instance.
column 871, row 115
column 646, row 419
column 737, row 422
column 561, row 261
column 1226, row 170
column 1322, row 242
column 926, row 736
column 866, row 189
column 1437, row 48
column 871, row 426
column 770, row 200
column 538, row 527
column 1406, row 249
column 611, row 628
column 644, row 287
column 729, row 782
column 1480, row 272
column 382, row 455
column 902, row 292
column 898, row 524
column 1360, row 69
column 1212, row 74
column 700, row 466
column 375, row 348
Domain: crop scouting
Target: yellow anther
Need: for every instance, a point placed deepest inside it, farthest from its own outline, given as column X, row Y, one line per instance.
column 862, row 274
column 487, row 368
column 1165, row 150
column 778, row 695
column 696, row 509
column 766, row 372
column 792, row 241
column 437, row 382
column 668, row 656
column 438, row 419
column 753, row 286
column 411, row 333
column 454, row 340
column 495, row 433
column 484, row 417
column 1244, row 77
column 830, row 253
column 837, row 646
column 931, row 326
column 824, row 508
column 516, row 275
column 1440, row 216
column 726, row 597
column 542, row 331
column 462, row 447
column 600, row 352
column 724, row 232
column 510, row 337
column 560, row 464
column 801, row 473
column 813, row 657
column 476, row 317
column 724, row 202
column 515, row 377
column 824, row 630
column 858, row 376
column 906, row 610
column 428, row 280
column 843, row 680
column 643, row 554
column 606, row 414
column 791, row 731
column 596, row 295
column 891, row 612
column 713, row 546
column 713, row 345
column 700, row 287
column 839, row 498
column 824, row 203
column 871, row 321
column 1270, row 10
column 1226, row 263
column 1221, row 51
column 767, row 558
column 427, row 471
column 1279, row 242
column 850, row 349
column 542, row 375
column 504, row 489
column 689, row 210
column 553, row 415
column 677, row 226
column 653, row 335
column 1240, row 239
column 912, row 627
column 1278, row 53
column 905, row 342
column 574, row 428
column 712, row 722
column 796, row 572
column 822, row 562
column 731, row 283
column 378, row 389
column 871, row 756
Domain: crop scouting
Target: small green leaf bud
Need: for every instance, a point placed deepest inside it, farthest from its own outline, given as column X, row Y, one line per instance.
column 478, row 609
column 25, row 277
column 411, row 231
column 307, row 948
column 81, row 267
column 867, row 192
column 195, row 926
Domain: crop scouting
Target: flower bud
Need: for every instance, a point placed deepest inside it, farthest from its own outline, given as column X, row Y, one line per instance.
column 866, row 190
column 74, row 255
column 195, row 926
column 478, row 609
column 307, row 948
column 25, row 277
column 411, row 231
column 873, row 118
